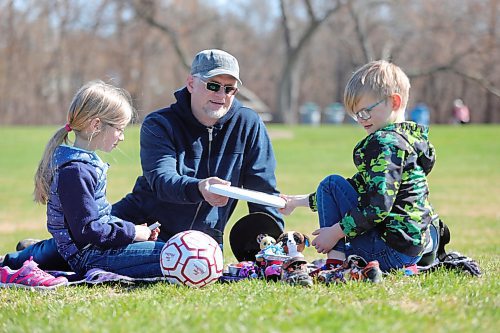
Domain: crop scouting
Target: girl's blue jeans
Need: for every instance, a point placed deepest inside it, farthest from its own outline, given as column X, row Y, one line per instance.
column 137, row 260
column 44, row 253
column 335, row 197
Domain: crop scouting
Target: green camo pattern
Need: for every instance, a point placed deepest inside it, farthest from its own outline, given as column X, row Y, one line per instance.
column 393, row 164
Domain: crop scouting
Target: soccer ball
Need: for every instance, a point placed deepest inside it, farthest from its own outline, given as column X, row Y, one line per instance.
column 191, row 258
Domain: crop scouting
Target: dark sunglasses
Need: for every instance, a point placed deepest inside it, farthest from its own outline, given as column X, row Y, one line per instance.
column 215, row 87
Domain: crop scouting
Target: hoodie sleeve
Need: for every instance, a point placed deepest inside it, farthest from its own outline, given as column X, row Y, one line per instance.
column 159, row 164
column 381, row 169
column 76, row 188
column 356, row 180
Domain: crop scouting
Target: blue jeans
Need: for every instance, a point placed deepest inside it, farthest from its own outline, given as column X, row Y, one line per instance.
column 44, row 253
column 335, row 197
column 137, row 260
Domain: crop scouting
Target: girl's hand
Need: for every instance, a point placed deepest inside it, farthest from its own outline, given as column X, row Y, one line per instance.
column 154, row 234
column 142, row 233
column 294, row 201
column 327, row 238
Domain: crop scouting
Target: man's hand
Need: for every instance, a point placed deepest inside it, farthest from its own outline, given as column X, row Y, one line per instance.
column 212, row 198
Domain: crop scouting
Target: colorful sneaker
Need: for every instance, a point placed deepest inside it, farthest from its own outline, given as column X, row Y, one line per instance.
column 359, row 269
column 273, row 272
column 248, row 270
column 332, row 276
column 22, row 244
column 29, row 276
column 321, row 265
column 410, row 270
column 295, row 272
column 354, row 268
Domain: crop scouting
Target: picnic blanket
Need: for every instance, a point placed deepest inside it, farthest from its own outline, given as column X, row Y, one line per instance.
column 99, row 276
column 453, row 261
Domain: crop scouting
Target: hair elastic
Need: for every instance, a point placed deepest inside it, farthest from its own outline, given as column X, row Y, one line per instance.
column 68, row 128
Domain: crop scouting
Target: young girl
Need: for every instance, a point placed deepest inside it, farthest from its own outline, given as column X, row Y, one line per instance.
column 383, row 211
column 71, row 180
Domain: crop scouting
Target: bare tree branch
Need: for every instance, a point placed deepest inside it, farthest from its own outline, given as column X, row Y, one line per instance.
column 367, row 54
column 310, row 10
column 454, row 67
column 287, row 86
column 480, row 80
column 286, row 28
column 145, row 9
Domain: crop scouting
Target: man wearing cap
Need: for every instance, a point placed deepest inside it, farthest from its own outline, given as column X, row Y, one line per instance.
column 206, row 137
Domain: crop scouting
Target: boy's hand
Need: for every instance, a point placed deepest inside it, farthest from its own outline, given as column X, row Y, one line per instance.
column 327, row 238
column 292, row 202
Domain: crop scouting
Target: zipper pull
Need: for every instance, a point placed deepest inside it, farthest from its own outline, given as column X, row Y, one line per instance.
column 210, row 130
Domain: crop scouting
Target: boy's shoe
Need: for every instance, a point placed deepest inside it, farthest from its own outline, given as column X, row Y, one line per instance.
column 354, row 268
column 410, row 270
column 295, row 272
column 22, row 244
column 359, row 269
column 332, row 276
column 29, row 276
column 2, row 258
column 320, row 266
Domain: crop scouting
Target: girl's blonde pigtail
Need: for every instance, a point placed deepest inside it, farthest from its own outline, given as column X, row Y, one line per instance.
column 45, row 170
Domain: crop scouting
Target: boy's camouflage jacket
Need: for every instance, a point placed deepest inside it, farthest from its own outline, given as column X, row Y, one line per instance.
column 393, row 164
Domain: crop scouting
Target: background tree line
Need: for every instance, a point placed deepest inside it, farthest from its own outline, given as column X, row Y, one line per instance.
column 290, row 51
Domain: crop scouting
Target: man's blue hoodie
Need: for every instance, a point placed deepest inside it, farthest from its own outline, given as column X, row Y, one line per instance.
column 177, row 151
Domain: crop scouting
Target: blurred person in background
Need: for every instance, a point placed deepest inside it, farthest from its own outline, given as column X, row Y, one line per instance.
column 460, row 113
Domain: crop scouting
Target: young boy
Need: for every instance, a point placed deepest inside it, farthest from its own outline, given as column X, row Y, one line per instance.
column 382, row 213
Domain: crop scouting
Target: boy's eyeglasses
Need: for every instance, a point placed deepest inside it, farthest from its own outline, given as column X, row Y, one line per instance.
column 365, row 113
column 215, row 87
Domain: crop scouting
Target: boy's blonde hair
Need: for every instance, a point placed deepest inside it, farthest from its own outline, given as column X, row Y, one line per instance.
column 379, row 78
column 95, row 99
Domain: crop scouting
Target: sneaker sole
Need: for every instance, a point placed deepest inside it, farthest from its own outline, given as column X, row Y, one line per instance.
column 16, row 285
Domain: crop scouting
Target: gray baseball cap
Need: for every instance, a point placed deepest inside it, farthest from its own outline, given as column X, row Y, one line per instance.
column 209, row 63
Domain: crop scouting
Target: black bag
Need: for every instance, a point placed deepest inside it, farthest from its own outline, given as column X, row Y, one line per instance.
column 452, row 260
column 443, row 238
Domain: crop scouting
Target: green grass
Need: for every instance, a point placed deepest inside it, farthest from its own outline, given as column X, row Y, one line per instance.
column 464, row 190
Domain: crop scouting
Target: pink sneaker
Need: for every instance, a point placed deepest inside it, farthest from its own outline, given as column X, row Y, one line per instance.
column 29, row 276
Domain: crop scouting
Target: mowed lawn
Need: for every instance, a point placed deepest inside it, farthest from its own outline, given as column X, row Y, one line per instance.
column 465, row 190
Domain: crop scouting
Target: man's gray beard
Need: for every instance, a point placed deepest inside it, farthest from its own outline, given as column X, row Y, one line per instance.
column 216, row 114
